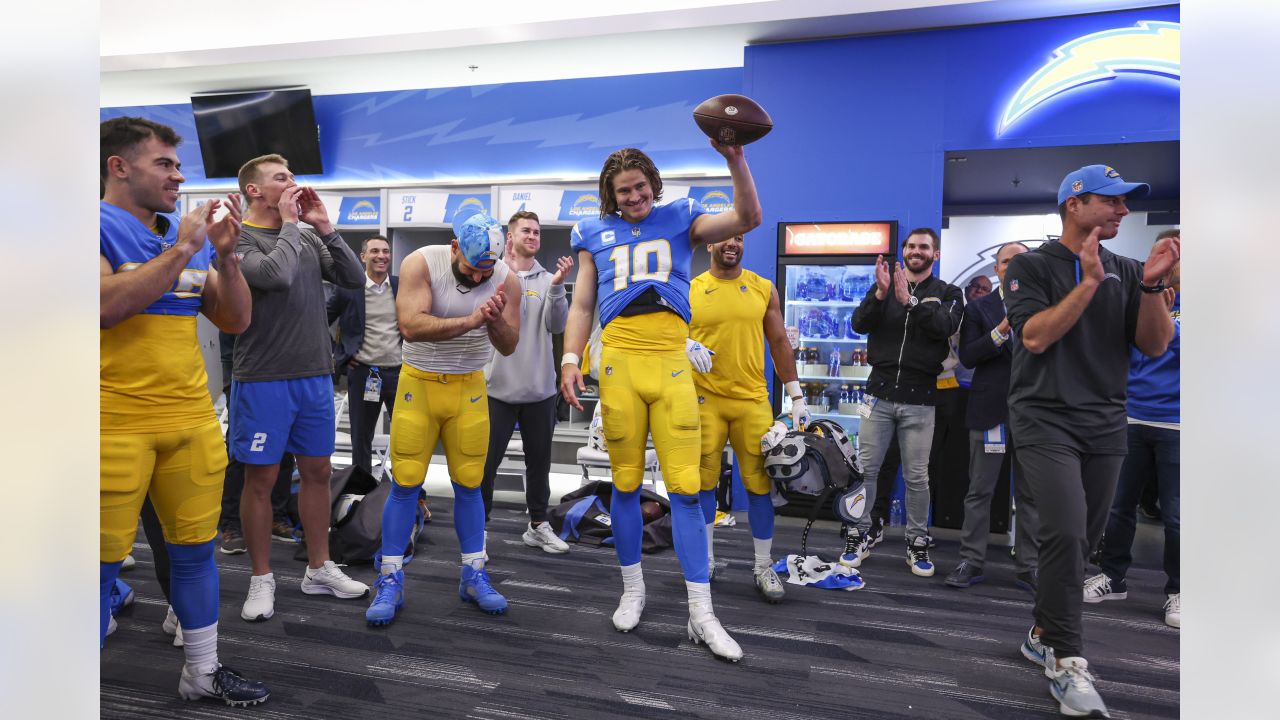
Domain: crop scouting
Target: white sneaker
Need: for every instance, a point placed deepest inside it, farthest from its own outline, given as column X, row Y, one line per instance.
column 261, row 603
column 627, row 616
column 705, row 628
column 328, row 579
column 128, row 563
column 541, row 535
column 1173, row 610
column 1072, row 686
column 1098, row 588
column 171, row 626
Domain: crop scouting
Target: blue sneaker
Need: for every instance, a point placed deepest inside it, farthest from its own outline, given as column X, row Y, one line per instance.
column 918, row 557
column 120, row 597
column 1034, row 650
column 475, row 587
column 387, row 600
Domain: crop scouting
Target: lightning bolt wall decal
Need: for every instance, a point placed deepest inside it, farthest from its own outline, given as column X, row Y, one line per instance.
column 1150, row 47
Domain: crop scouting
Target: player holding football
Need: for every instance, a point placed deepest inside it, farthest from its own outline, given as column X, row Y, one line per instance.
column 729, row 306
column 635, row 260
column 159, row 436
column 456, row 304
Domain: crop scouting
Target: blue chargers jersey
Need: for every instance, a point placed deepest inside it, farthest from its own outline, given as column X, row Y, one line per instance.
column 1155, row 383
column 628, row 262
column 127, row 244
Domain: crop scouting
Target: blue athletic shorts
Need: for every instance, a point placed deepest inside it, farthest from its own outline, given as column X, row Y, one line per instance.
column 272, row 417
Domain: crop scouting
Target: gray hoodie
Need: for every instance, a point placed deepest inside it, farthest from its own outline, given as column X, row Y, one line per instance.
column 529, row 374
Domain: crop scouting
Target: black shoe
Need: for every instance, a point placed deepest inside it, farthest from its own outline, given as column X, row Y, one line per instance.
column 1150, row 511
column 1028, row 580
column 965, row 574
column 222, row 684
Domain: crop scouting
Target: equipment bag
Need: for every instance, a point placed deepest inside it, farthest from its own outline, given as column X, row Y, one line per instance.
column 355, row 532
column 583, row 517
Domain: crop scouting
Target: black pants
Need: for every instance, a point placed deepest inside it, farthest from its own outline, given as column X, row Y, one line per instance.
column 885, row 481
column 233, row 486
column 154, row 531
column 1073, row 491
column 537, row 421
column 1154, row 454
column 364, row 415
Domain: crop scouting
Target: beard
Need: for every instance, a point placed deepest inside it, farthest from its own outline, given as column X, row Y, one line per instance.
column 463, row 280
column 916, row 264
column 724, row 262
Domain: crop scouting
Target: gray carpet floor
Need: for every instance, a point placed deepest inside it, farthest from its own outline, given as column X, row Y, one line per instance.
column 903, row 647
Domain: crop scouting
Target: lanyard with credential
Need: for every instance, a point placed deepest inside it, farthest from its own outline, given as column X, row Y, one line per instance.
column 993, row 440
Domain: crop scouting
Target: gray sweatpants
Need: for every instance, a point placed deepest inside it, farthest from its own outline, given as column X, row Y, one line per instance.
column 1073, row 490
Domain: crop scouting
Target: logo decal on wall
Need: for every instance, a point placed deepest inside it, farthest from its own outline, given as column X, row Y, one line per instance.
column 1151, row 47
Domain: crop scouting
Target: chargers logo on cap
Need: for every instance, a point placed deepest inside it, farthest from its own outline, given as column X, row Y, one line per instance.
column 1150, row 47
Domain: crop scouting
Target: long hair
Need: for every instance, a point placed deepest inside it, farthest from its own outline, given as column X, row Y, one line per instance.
column 621, row 161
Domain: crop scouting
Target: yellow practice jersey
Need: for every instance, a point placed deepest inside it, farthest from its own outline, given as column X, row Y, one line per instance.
column 151, row 372
column 728, row 318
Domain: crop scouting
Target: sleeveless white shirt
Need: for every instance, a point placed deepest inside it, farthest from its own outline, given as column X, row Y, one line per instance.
column 470, row 351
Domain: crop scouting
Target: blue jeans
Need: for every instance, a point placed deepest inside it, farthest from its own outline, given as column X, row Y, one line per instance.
column 914, row 426
column 1152, row 451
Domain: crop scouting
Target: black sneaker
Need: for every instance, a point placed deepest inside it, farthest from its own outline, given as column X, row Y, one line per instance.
column 876, row 536
column 232, row 542
column 965, row 574
column 222, row 684
column 1028, row 580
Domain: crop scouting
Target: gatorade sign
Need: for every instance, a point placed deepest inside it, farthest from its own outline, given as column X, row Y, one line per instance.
column 837, row 238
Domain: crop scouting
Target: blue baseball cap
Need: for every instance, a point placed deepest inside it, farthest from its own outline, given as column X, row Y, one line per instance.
column 480, row 238
column 1099, row 180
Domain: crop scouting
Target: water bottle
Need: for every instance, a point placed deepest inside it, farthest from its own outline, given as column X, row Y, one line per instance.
column 897, row 517
column 833, row 364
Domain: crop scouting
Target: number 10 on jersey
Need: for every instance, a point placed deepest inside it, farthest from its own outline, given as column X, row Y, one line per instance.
column 631, row 263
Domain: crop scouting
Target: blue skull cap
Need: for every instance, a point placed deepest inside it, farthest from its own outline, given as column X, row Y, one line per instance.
column 480, row 238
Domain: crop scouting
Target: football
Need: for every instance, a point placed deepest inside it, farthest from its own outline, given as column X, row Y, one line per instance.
column 732, row 119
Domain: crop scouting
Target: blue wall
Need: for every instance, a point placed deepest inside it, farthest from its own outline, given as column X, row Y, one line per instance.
column 552, row 128
column 861, row 125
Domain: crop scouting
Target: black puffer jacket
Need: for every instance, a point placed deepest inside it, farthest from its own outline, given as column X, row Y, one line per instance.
column 906, row 348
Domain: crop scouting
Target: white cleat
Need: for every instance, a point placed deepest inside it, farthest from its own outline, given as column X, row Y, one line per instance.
column 171, row 626
column 705, row 628
column 627, row 616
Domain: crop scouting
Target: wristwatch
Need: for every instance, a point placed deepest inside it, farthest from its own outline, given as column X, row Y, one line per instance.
column 912, row 302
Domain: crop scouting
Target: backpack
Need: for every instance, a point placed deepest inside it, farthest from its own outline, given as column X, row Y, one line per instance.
column 583, row 517
column 355, row 519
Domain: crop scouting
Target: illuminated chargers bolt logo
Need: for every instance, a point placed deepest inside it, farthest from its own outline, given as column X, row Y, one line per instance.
column 1151, row 48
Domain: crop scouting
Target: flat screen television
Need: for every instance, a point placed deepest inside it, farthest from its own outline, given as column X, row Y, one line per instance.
column 235, row 127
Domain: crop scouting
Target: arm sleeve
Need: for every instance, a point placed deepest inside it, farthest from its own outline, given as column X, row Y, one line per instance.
column 940, row 320
column 555, row 311
column 336, row 304
column 338, row 264
column 274, row 270
column 866, row 319
column 1027, row 292
column 976, row 345
column 1133, row 302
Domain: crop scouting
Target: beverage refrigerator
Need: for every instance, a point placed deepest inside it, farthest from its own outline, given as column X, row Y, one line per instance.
column 824, row 271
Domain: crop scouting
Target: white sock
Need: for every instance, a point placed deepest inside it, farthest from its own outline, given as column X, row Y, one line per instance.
column 392, row 564
column 699, row 598
column 711, row 548
column 763, row 552
column 475, row 559
column 311, row 571
column 633, row 579
column 200, row 646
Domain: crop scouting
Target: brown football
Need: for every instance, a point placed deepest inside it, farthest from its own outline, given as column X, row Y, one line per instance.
column 732, row 119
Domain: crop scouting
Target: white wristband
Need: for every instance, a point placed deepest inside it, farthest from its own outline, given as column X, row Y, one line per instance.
column 570, row 359
column 793, row 389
